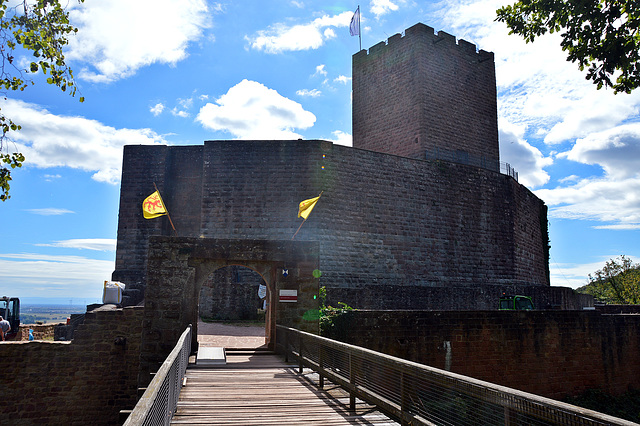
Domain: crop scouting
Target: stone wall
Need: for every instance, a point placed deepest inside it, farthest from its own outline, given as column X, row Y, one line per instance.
column 423, row 91
column 231, row 293
column 40, row 331
column 388, row 217
column 382, row 221
column 456, row 298
column 548, row 353
column 179, row 267
column 86, row 381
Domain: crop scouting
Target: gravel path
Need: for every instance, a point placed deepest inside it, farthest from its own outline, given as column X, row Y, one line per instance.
column 230, row 336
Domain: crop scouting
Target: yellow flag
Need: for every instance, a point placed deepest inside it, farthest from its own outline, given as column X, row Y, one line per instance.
column 152, row 206
column 306, row 206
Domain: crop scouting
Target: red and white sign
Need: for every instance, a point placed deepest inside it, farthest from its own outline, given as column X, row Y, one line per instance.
column 288, row 295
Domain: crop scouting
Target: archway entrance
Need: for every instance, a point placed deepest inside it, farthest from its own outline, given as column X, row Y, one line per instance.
column 232, row 309
column 177, row 268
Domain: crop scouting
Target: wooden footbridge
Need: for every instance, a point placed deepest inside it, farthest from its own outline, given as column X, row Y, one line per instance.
column 332, row 383
column 259, row 388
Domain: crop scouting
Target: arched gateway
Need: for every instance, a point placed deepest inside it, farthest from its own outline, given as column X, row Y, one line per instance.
column 178, row 267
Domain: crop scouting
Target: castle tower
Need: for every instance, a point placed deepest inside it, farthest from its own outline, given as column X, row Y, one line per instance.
column 423, row 93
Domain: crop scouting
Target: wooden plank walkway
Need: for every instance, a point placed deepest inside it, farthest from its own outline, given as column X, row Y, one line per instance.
column 263, row 390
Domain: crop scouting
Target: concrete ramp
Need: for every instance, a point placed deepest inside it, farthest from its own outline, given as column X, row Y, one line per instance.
column 211, row 356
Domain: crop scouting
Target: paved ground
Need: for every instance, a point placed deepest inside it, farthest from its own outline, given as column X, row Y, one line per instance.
column 230, row 336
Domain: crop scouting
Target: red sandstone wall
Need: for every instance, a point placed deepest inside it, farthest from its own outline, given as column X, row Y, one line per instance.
column 420, row 91
column 549, row 353
column 83, row 382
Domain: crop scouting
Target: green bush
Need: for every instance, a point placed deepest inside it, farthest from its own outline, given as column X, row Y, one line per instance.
column 330, row 314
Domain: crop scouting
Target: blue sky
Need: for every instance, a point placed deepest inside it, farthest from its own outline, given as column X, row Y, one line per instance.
column 182, row 72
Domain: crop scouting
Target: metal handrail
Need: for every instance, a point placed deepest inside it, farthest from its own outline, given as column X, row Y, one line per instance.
column 417, row 394
column 464, row 157
column 158, row 403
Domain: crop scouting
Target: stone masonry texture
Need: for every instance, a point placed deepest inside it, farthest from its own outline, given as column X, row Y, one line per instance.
column 423, row 91
column 390, row 217
column 383, row 220
column 549, row 353
column 84, row 382
column 179, row 268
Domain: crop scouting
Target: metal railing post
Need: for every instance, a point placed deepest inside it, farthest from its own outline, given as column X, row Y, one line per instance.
column 300, row 367
column 320, row 366
column 158, row 403
column 421, row 395
column 352, row 381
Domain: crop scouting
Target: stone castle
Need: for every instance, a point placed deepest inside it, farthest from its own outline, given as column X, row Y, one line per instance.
column 425, row 221
column 416, row 215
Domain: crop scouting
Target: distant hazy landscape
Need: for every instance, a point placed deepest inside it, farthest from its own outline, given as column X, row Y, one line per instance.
column 48, row 314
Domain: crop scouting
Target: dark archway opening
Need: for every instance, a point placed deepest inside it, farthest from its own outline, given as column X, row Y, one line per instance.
column 232, row 309
column 177, row 267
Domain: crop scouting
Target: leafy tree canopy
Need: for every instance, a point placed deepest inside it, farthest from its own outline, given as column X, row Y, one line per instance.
column 39, row 29
column 618, row 282
column 601, row 35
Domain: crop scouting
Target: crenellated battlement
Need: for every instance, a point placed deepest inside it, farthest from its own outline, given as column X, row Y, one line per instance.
column 422, row 91
column 422, row 33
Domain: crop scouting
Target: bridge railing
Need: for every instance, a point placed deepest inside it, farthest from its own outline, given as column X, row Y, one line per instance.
column 417, row 394
column 158, row 403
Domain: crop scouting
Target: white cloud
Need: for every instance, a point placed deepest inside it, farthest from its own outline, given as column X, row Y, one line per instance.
column 616, row 149
column 97, row 244
column 157, row 109
column 37, row 274
column 614, row 198
column 50, row 211
column 329, row 33
column 537, row 87
column 117, row 37
column 526, row 159
column 280, row 37
column 570, row 178
column 179, row 113
column 620, row 227
column 594, row 112
column 382, row 7
column 219, row 8
column 320, row 70
column 342, row 138
column 250, row 110
column 342, row 79
column 614, row 201
column 49, row 140
column 314, row 93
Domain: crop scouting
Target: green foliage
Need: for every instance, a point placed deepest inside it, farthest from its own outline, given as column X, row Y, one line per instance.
column 329, row 314
column 42, row 29
column 13, row 160
column 617, row 282
column 601, row 35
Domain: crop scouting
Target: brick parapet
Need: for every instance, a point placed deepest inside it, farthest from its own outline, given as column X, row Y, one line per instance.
column 549, row 353
column 86, row 381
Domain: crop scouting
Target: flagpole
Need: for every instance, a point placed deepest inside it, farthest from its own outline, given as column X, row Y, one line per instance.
column 359, row 32
column 165, row 207
column 294, row 235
